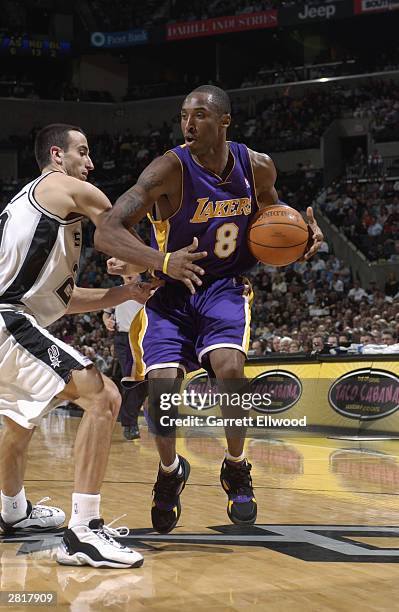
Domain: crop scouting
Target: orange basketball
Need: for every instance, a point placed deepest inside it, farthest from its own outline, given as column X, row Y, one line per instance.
column 278, row 235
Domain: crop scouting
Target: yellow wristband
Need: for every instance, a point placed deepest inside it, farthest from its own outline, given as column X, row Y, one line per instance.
column 165, row 263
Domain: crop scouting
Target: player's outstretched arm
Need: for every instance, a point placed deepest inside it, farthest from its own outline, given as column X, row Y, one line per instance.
column 113, row 234
column 90, row 300
column 161, row 178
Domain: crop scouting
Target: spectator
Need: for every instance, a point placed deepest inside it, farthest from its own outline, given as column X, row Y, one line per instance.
column 391, row 285
column 258, row 348
column 357, row 293
column 285, row 344
column 294, row 347
column 344, row 340
column 332, row 340
column 388, row 337
column 317, row 344
column 276, row 344
column 366, row 338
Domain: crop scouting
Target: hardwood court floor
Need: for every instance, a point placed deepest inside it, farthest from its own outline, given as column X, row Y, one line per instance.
column 321, row 541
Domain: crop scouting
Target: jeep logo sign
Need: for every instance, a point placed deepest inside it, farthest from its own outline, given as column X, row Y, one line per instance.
column 317, row 12
column 365, row 394
column 299, row 12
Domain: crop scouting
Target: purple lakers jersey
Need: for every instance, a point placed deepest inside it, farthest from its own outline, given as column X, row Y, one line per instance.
column 217, row 211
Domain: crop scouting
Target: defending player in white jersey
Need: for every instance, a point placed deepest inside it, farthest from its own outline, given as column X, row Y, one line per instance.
column 40, row 242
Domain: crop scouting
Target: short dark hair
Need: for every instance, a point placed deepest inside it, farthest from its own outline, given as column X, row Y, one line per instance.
column 220, row 98
column 56, row 134
column 388, row 331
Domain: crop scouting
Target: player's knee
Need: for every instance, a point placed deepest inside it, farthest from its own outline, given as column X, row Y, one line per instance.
column 16, row 434
column 97, row 393
column 229, row 371
column 227, row 364
column 111, row 400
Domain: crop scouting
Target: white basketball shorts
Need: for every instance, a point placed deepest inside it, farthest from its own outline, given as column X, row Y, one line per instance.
column 34, row 367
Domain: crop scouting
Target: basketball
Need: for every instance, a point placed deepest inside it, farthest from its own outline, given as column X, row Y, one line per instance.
column 278, row 235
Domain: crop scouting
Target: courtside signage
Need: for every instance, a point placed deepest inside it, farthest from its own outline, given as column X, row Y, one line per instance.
column 365, row 394
column 283, row 388
column 200, row 386
column 221, row 25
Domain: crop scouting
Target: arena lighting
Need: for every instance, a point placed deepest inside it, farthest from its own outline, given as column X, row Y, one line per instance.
column 323, row 80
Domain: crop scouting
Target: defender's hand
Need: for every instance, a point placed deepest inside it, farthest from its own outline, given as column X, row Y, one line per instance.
column 116, row 266
column 181, row 267
column 140, row 292
column 121, row 268
column 315, row 235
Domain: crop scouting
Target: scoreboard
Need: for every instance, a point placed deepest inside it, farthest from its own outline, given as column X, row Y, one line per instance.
column 34, row 47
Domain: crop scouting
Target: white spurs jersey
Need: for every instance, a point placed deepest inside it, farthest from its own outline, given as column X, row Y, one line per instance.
column 39, row 257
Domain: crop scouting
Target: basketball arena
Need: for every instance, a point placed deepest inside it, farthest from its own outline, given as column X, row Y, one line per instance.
column 199, row 305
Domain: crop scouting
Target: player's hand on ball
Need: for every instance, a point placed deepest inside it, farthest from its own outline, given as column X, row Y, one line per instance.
column 181, row 265
column 315, row 235
column 141, row 291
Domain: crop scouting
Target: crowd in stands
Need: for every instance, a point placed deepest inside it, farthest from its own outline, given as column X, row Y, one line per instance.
column 382, row 109
column 367, row 211
column 286, row 71
column 316, row 306
column 30, row 88
column 279, row 123
column 344, row 63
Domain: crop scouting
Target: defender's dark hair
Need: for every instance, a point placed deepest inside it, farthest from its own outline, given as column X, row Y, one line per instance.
column 220, row 98
column 56, row 134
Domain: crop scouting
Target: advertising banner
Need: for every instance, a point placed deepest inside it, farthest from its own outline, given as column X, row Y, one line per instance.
column 351, row 395
column 109, row 40
column 366, row 7
column 308, row 13
column 221, row 25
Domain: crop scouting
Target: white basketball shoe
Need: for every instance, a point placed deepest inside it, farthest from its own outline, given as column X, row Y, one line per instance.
column 95, row 545
column 38, row 518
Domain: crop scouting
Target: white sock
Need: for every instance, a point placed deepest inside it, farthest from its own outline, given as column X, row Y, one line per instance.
column 13, row 508
column 172, row 468
column 85, row 507
column 235, row 459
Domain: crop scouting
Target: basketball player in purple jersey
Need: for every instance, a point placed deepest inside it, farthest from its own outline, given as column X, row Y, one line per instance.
column 204, row 194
